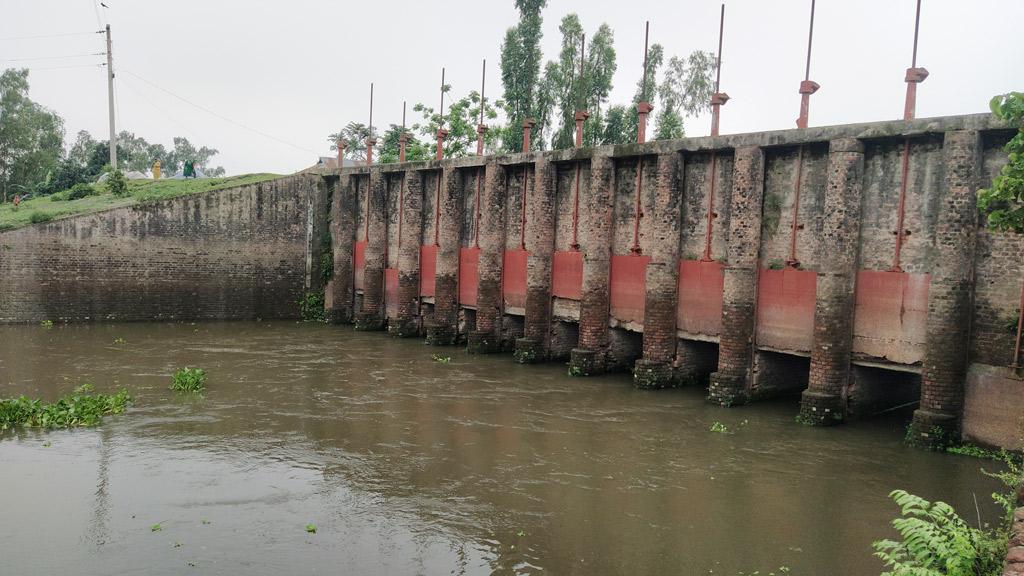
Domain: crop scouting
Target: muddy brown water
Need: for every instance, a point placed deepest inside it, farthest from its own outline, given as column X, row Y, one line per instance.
column 411, row 466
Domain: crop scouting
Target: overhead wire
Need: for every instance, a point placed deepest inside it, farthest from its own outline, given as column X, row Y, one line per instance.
column 33, row 37
column 217, row 115
column 174, row 120
column 36, row 69
column 53, row 57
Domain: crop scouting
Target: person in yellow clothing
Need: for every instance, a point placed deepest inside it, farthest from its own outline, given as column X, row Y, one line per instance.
column 156, row 170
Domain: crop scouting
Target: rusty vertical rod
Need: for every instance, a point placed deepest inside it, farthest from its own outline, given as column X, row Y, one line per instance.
column 1020, row 329
column 480, row 128
column 441, row 132
column 792, row 262
column 807, row 87
column 575, row 245
column 711, row 209
column 403, row 138
column 522, row 210
column 643, row 108
column 638, row 214
column 718, row 99
column 370, row 140
column 914, row 74
column 581, row 114
column 901, row 208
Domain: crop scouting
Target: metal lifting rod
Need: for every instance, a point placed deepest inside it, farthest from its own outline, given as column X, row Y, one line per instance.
column 369, row 161
column 480, row 129
column 914, row 76
column 718, row 99
column 581, row 117
column 643, row 108
column 403, row 138
column 441, row 133
column 807, row 87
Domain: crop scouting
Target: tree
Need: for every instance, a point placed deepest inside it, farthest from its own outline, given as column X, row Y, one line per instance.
column 616, row 126
column 354, row 134
column 460, row 119
column 415, row 150
column 520, row 73
column 684, row 91
column 31, row 138
column 1004, row 200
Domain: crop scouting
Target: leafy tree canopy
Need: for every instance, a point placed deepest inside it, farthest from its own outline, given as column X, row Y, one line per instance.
column 1004, row 200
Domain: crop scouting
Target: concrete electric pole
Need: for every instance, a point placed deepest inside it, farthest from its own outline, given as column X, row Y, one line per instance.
column 110, row 102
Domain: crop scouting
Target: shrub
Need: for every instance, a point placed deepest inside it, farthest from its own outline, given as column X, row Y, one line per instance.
column 189, row 380
column 38, row 217
column 82, row 407
column 311, row 307
column 117, row 184
column 80, row 190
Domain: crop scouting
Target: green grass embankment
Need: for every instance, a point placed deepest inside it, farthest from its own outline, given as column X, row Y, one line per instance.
column 47, row 208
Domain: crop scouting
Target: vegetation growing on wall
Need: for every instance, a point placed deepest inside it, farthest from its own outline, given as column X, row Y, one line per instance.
column 1003, row 202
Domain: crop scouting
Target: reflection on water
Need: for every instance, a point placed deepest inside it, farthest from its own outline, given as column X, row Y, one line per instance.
column 409, row 466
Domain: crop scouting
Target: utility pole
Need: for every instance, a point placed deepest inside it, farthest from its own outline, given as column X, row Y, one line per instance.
column 110, row 102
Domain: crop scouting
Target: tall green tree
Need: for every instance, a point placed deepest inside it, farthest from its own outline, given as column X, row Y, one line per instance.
column 685, row 90
column 569, row 92
column 1003, row 202
column 31, row 138
column 521, row 73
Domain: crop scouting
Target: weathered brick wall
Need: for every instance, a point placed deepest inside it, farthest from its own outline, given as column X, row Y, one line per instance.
column 804, row 283
column 229, row 254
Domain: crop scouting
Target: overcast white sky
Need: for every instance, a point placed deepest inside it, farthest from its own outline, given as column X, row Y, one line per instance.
column 300, row 69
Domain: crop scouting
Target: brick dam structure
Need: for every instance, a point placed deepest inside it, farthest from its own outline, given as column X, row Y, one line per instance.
column 848, row 265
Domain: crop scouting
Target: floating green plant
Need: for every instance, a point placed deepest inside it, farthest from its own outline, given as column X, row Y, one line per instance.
column 189, row 380
column 83, row 407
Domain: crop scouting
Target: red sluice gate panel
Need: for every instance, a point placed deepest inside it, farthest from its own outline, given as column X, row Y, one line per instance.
column 469, row 261
column 785, row 308
column 428, row 269
column 567, row 274
column 700, row 297
column 513, row 277
column 628, row 287
column 359, row 264
column 391, row 292
column 891, row 315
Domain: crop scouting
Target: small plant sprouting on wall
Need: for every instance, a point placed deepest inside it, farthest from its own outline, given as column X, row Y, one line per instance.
column 311, row 307
column 82, row 407
column 189, row 380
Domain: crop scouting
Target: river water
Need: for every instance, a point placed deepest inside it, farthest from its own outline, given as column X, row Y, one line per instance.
column 407, row 465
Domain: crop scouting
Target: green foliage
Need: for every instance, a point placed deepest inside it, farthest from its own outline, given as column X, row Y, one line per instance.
column 117, row 184
column 77, row 192
column 31, row 138
column 720, row 428
column 441, row 359
column 46, row 323
column 975, row 452
column 520, row 74
column 189, row 380
column 83, row 407
column 1004, row 201
column 311, row 528
column 935, row 541
column 460, row 120
column 156, row 527
column 415, row 150
column 38, row 217
column 354, row 135
column 684, row 91
column 311, row 307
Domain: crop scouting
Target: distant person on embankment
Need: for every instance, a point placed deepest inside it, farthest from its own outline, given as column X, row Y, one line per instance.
column 190, row 169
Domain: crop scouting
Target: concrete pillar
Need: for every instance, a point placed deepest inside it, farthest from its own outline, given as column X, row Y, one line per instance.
column 410, row 236
column 343, row 223
column 540, row 243
column 486, row 339
column 823, row 403
column 937, row 420
column 443, row 327
column 730, row 384
column 596, row 217
column 663, row 213
column 371, row 317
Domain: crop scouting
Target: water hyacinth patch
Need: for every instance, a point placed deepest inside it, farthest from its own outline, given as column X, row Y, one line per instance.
column 189, row 380
column 83, row 407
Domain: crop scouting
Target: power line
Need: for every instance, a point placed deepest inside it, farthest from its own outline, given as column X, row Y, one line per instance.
column 224, row 118
column 52, row 35
column 34, row 69
column 53, row 57
column 174, row 120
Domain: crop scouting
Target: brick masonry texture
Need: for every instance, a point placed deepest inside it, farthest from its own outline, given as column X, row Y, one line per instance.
column 540, row 237
column 408, row 244
column 229, row 254
column 595, row 235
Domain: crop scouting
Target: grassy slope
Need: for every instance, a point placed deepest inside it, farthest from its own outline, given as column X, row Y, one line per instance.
column 141, row 191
